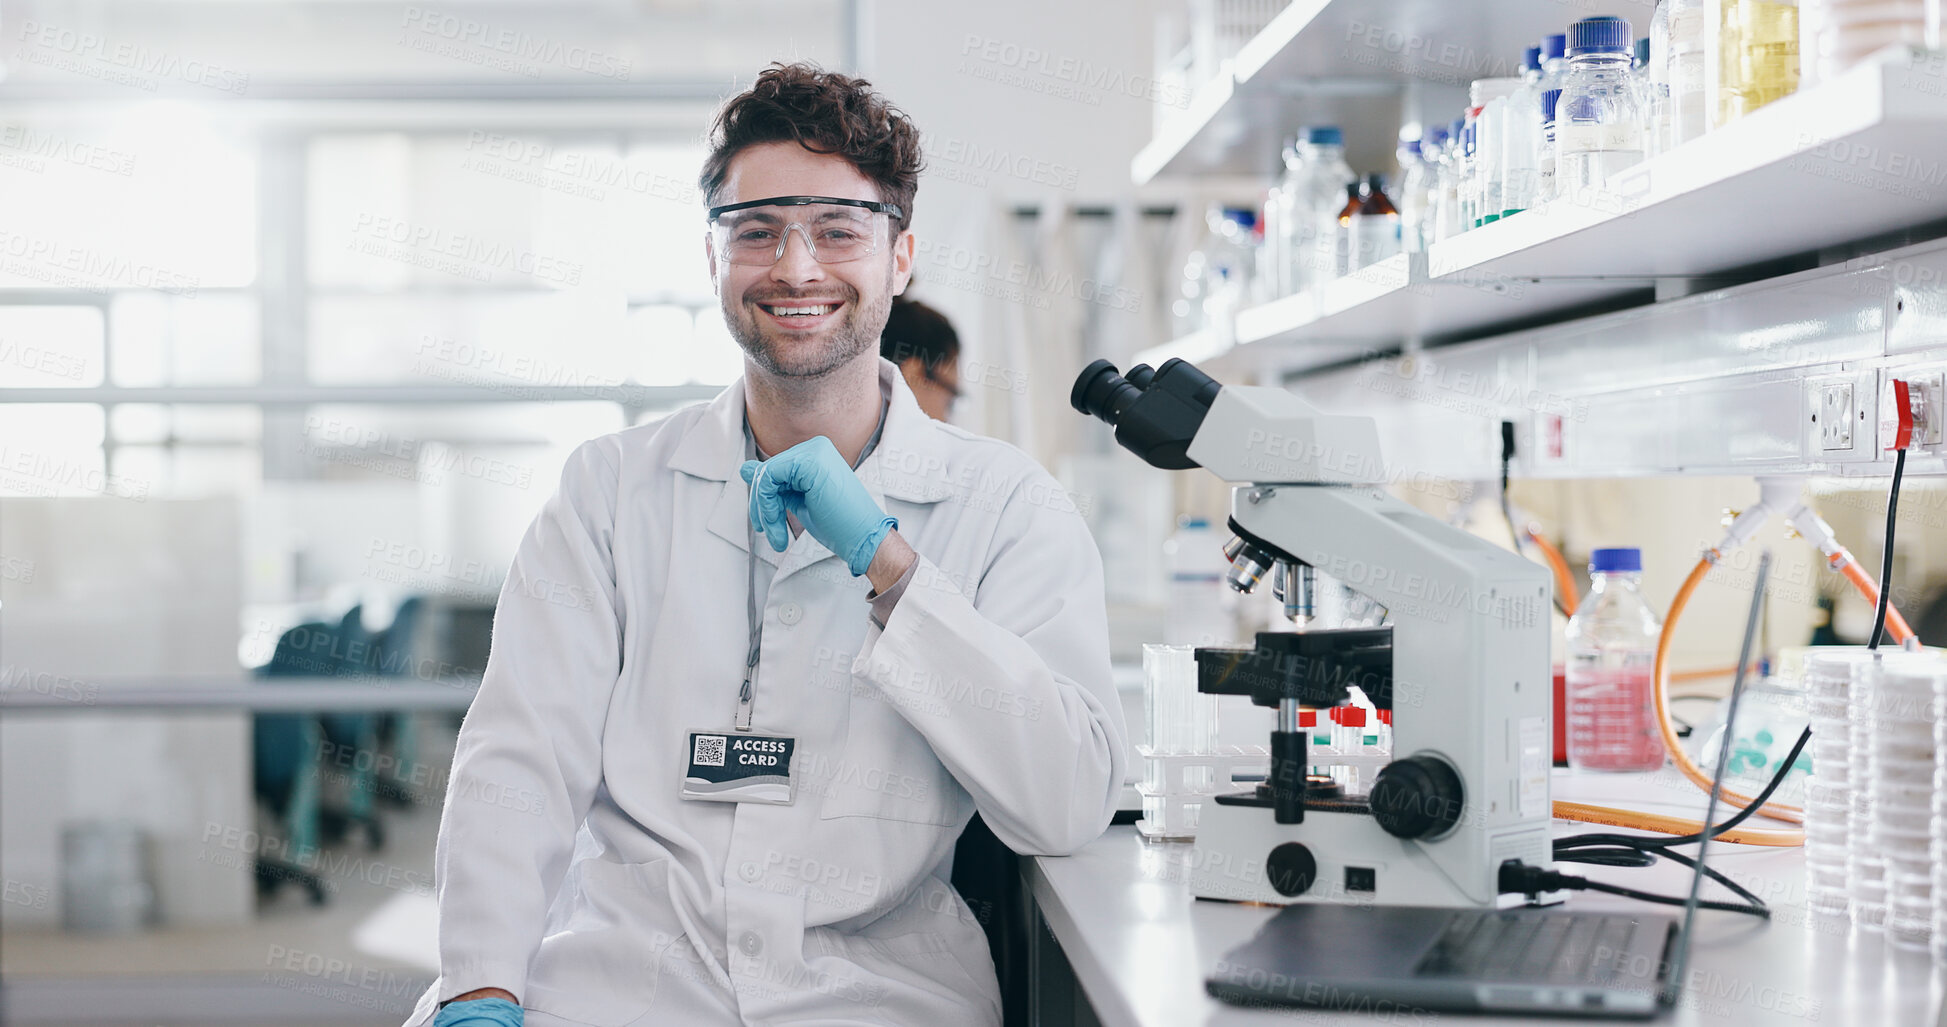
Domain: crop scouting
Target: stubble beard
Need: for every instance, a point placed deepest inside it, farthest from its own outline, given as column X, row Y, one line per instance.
column 842, row 344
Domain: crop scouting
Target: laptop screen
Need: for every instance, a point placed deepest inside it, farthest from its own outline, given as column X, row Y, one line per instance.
column 1680, row 951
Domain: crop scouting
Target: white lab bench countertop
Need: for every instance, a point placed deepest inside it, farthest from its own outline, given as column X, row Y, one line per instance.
column 1141, row 947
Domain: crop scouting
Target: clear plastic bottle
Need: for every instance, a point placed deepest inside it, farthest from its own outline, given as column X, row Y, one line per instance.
column 1342, row 238
column 1416, row 170
column 1490, row 96
column 1611, row 652
column 1689, row 114
column 1231, row 255
column 1468, row 172
column 1639, row 74
column 1659, row 81
column 1422, row 187
column 1598, row 123
column 1521, row 138
column 1186, row 310
column 1554, row 60
column 1375, row 225
column 1446, row 214
column 1317, row 196
column 1545, row 165
column 1751, row 49
column 1272, row 264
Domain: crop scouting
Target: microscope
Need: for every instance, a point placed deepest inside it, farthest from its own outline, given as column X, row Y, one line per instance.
column 1463, row 664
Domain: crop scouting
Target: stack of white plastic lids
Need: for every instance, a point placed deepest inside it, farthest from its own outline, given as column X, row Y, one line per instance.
column 1901, row 792
column 1940, row 818
column 1836, row 34
column 1828, row 795
column 1865, row 866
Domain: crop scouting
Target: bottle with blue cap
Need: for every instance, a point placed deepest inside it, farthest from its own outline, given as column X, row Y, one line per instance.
column 1611, row 640
column 1599, row 118
column 1419, row 191
column 1545, row 164
column 1554, row 60
column 1312, row 209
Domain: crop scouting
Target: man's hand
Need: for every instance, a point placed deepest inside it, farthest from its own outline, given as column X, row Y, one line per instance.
column 811, row 481
column 486, row 1007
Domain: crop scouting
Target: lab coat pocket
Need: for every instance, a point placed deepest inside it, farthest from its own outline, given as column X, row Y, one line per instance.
column 885, row 769
column 602, row 965
column 939, row 989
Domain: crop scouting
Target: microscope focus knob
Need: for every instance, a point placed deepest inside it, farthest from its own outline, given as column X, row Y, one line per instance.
column 1417, row 797
column 1291, row 868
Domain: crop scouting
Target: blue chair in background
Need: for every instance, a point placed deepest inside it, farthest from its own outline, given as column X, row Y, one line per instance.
column 284, row 753
column 351, row 740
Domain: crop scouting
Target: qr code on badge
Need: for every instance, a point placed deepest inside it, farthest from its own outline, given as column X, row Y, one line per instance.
column 709, row 751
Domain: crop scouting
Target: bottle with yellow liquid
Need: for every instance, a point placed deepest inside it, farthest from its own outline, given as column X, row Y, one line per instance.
column 1751, row 50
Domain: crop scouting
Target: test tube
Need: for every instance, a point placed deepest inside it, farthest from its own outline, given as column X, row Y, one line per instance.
column 1352, row 722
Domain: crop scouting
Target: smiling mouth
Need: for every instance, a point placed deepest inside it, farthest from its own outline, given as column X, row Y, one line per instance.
column 799, row 310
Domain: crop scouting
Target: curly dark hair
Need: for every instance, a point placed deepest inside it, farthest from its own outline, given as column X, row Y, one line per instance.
column 825, row 112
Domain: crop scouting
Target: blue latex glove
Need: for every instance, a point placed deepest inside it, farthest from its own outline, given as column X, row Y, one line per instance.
column 812, row 482
column 479, row 1012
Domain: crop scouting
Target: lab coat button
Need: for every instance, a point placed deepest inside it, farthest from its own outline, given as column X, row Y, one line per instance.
column 749, row 870
column 790, row 613
column 751, row 943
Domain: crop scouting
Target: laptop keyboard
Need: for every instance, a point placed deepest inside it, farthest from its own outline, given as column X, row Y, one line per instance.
column 1515, row 946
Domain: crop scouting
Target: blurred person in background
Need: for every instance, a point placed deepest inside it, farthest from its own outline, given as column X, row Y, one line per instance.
column 921, row 342
column 757, row 664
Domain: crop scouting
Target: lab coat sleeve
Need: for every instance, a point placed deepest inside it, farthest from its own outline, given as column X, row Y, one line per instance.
column 1012, row 688
column 528, row 759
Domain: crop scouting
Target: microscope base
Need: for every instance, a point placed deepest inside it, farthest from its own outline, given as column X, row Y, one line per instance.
column 1356, row 862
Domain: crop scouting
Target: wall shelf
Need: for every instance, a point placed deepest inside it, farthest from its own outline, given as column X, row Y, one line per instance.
column 1352, row 63
column 1859, row 156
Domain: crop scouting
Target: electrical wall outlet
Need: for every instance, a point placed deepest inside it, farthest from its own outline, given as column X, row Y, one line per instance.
column 1931, row 386
column 1836, row 416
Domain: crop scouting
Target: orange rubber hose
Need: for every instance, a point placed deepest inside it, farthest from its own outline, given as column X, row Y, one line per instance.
column 1590, row 814
column 1564, row 578
column 1660, row 691
column 1895, row 624
column 1701, row 675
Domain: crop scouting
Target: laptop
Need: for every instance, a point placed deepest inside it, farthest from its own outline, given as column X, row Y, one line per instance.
column 1357, row 959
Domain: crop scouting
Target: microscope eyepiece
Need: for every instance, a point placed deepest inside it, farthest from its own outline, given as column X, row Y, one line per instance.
column 1155, row 411
column 1102, row 392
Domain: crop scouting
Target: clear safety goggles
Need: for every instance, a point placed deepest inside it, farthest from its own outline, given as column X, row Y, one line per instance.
column 835, row 230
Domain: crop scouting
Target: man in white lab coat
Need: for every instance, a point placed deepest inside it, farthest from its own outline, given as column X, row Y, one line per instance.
column 904, row 625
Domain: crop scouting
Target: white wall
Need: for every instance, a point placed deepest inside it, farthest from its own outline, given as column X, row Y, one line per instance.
column 1021, row 103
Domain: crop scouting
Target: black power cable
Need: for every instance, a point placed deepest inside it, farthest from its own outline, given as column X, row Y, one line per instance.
column 1606, row 849
column 1507, row 507
column 1886, row 558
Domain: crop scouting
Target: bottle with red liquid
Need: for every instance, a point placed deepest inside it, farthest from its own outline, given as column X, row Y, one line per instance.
column 1611, row 655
